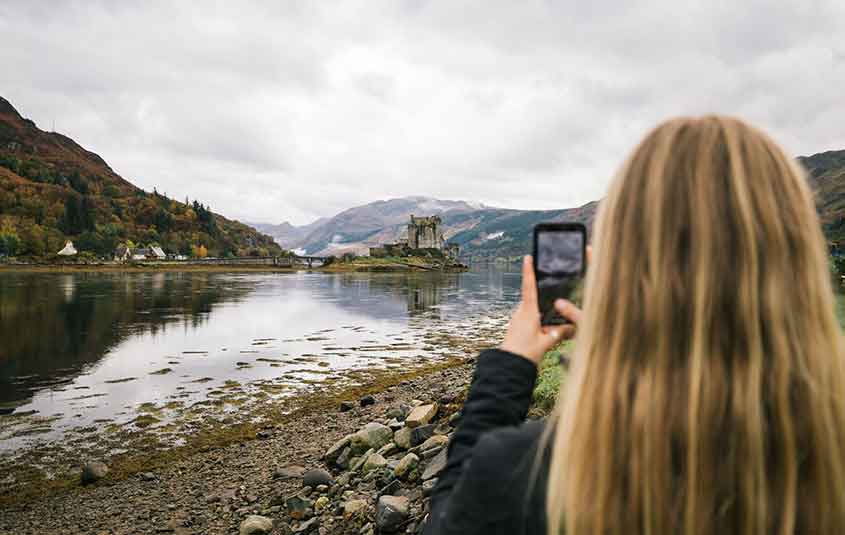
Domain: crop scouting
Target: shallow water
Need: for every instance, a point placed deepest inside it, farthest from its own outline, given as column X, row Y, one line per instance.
column 88, row 348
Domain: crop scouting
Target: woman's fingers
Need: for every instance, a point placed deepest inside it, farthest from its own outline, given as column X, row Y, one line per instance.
column 529, row 284
column 568, row 310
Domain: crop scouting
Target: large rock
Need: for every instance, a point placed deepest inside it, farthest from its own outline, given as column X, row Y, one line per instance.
column 436, row 441
column 435, row 465
column 406, row 467
column 391, row 512
column 334, row 452
column 372, row 436
column 374, row 462
column 402, row 438
column 315, row 478
column 421, row 415
column 256, row 525
column 93, row 471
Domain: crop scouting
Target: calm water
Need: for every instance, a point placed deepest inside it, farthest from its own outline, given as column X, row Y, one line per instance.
column 88, row 347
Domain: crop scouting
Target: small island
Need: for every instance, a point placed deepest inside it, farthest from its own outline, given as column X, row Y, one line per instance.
column 423, row 248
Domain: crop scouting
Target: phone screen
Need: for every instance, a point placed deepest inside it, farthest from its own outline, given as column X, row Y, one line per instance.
column 558, row 266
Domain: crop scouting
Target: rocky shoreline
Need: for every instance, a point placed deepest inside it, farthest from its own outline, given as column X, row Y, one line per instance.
column 363, row 466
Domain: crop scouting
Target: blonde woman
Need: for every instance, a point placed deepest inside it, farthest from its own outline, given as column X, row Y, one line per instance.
column 707, row 388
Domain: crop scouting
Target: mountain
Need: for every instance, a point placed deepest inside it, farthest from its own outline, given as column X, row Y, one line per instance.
column 483, row 232
column 285, row 234
column 486, row 233
column 52, row 189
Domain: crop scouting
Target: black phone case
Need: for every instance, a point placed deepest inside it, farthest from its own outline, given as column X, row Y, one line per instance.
column 546, row 297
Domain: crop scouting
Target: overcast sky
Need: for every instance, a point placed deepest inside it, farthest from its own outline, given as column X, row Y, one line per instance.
column 274, row 111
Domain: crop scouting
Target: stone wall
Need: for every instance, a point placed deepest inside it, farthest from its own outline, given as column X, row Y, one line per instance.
column 425, row 233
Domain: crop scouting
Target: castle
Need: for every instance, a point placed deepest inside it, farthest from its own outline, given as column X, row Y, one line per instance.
column 423, row 236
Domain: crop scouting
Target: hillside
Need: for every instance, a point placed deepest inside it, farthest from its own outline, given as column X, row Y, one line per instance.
column 826, row 174
column 52, row 189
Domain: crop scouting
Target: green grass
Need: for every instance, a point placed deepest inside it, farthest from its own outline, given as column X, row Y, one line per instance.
column 549, row 377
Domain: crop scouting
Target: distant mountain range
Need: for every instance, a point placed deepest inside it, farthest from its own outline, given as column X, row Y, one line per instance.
column 52, row 190
column 487, row 233
column 482, row 232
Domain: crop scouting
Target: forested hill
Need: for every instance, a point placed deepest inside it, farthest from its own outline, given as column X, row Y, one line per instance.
column 52, row 189
column 826, row 174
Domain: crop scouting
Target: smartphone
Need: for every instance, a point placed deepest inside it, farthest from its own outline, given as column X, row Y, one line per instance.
column 560, row 251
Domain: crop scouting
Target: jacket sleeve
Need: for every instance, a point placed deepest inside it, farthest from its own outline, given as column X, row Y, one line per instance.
column 499, row 397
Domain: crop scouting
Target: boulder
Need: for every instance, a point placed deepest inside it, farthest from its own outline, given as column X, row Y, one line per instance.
column 402, row 438
column 256, row 525
column 315, row 478
column 346, row 406
column 93, row 471
column 391, row 512
column 435, row 441
column 334, row 452
column 421, row 415
column 405, row 469
column 435, row 466
column 372, row 436
column 374, row 462
column 367, row 400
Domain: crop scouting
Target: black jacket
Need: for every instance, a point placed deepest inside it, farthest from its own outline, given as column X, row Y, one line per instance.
column 493, row 482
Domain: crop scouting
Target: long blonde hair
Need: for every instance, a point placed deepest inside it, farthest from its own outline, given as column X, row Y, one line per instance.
column 706, row 393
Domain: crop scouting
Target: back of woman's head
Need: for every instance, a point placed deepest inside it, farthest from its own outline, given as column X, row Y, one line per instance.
column 707, row 389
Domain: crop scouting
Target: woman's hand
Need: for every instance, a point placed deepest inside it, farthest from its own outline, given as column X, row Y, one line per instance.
column 525, row 336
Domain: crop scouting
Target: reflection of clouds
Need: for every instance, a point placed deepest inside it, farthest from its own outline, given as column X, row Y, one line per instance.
column 559, row 252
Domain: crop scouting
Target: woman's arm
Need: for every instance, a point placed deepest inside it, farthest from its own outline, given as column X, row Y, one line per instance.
column 499, row 397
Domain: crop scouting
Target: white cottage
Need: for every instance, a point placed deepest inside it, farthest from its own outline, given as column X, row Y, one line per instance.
column 68, row 250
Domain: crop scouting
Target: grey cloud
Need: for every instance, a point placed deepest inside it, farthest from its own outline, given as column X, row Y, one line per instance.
column 293, row 110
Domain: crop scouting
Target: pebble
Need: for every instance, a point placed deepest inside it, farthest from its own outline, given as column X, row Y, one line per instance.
column 346, row 406
column 352, row 508
column 367, row 400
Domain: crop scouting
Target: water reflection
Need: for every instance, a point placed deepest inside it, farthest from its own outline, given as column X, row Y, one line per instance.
column 93, row 347
column 52, row 326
